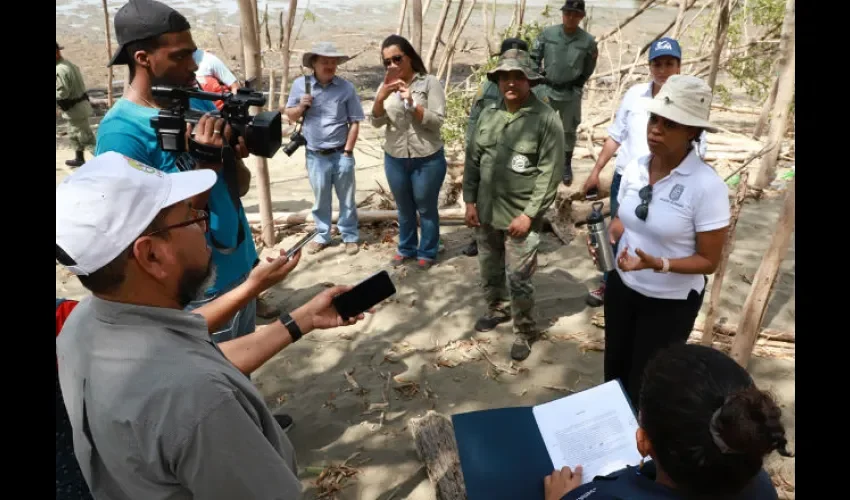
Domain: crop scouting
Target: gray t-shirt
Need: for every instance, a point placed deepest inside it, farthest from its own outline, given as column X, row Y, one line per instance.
column 159, row 413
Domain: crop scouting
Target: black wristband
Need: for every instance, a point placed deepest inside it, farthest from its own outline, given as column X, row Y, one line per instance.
column 204, row 153
column 349, row 152
column 291, row 326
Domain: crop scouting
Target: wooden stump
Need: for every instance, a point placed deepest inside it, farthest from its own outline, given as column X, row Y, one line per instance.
column 434, row 438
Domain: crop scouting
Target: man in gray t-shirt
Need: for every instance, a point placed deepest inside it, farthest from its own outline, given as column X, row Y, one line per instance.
column 159, row 410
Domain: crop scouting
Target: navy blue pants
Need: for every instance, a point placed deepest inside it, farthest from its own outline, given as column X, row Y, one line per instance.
column 70, row 484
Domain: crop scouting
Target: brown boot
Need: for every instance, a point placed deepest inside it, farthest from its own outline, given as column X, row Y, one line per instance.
column 76, row 162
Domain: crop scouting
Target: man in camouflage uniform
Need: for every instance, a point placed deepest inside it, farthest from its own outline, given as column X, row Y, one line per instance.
column 72, row 99
column 566, row 55
column 514, row 162
column 488, row 92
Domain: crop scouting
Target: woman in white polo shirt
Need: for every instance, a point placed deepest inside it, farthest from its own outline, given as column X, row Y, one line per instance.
column 671, row 225
column 627, row 134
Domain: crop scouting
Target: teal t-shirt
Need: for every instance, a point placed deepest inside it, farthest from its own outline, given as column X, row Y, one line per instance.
column 126, row 129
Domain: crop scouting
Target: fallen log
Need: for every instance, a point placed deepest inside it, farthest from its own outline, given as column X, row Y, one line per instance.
column 768, row 334
column 453, row 215
column 433, row 436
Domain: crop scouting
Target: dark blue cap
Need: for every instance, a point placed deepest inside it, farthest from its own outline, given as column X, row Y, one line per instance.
column 665, row 47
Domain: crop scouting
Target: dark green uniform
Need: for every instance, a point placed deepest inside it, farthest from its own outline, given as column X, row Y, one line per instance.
column 514, row 163
column 70, row 88
column 568, row 61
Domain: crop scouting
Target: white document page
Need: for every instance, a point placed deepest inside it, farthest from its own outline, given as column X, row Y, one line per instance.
column 594, row 428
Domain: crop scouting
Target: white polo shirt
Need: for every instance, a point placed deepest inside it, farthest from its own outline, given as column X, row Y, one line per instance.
column 692, row 199
column 629, row 127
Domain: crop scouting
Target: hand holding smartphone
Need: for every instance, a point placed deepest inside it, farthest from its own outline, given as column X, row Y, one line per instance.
column 303, row 241
column 365, row 295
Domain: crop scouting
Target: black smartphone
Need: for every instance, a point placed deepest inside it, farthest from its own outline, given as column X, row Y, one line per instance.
column 591, row 194
column 365, row 295
column 303, row 241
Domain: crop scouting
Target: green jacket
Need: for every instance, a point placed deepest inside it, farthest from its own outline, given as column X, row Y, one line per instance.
column 514, row 162
column 488, row 92
column 567, row 60
column 70, row 85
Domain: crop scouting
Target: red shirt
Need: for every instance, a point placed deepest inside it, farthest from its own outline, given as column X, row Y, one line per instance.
column 211, row 84
column 62, row 312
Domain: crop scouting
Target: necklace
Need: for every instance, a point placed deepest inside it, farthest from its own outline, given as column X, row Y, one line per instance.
column 139, row 95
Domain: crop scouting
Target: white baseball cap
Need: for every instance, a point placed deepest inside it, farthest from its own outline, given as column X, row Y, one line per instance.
column 109, row 202
column 684, row 99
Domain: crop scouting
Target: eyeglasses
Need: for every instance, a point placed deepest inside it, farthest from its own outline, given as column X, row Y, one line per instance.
column 393, row 60
column 200, row 217
column 642, row 210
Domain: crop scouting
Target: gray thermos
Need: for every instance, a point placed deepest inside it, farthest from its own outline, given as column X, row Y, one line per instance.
column 599, row 239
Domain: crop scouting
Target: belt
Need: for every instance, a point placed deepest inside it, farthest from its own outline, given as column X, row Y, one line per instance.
column 329, row 151
column 66, row 104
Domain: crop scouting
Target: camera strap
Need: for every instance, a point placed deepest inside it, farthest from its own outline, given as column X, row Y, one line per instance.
column 227, row 156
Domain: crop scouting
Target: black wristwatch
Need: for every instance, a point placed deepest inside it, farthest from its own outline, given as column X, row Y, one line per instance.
column 291, row 327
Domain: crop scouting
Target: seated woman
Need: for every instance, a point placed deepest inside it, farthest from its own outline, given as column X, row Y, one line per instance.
column 705, row 425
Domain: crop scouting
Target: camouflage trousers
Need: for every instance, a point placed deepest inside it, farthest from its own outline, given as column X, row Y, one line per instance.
column 507, row 265
column 80, row 135
column 570, row 113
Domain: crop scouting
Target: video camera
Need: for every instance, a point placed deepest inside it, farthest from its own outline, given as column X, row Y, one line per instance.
column 297, row 139
column 262, row 132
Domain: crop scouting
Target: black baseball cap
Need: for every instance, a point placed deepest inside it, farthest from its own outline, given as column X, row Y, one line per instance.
column 513, row 43
column 576, row 5
column 141, row 19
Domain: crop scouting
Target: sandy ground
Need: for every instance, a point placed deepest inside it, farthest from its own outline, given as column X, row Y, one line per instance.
column 422, row 339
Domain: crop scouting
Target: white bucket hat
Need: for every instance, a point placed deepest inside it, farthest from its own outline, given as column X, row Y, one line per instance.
column 683, row 99
column 109, row 202
column 327, row 49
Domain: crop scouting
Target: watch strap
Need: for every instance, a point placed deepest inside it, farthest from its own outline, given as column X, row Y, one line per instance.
column 291, row 326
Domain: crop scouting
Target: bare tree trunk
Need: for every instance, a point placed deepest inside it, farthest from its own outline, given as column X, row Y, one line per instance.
column 242, row 52
column 435, row 40
column 401, row 16
column 680, row 18
column 109, row 74
column 784, row 98
column 717, row 284
column 425, row 8
column 450, row 47
column 285, row 52
column 764, row 116
column 416, row 33
column 719, row 41
column 521, row 16
column 490, row 28
column 266, row 27
column 270, row 103
column 755, row 306
column 254, row 69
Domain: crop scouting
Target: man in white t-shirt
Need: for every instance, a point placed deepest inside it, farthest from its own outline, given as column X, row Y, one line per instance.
column 213, row 75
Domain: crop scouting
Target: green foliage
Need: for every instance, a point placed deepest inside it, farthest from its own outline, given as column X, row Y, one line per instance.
column 459, row 101
column 754, row 70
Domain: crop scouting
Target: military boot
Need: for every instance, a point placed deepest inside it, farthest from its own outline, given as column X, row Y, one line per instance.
column 77, row 161
column 568, row 168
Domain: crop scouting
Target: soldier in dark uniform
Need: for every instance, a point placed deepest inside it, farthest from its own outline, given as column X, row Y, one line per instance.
column 566, row 55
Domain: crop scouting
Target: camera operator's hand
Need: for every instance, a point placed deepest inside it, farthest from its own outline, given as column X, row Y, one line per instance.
column 306, row 102
column 320, row 313
column 208, row 131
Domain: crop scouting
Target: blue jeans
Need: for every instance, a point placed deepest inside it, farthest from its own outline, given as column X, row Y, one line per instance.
column 329, row 172
column 242, row 323
column 615, row 188
column 415, row 184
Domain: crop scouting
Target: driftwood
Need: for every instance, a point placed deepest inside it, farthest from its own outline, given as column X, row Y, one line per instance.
column 766, row 334
column 755, row 305
column 435, row 443
column 448, row 216
column 717, row 284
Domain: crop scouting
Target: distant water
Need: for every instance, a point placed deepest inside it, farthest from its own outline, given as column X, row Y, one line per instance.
column 229, row 7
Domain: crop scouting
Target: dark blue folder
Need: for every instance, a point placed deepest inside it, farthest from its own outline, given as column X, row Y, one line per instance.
column 502, row 454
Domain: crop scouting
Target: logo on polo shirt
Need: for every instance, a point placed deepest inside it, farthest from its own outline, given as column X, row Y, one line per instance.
column 676, row 192
column 520, row 164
